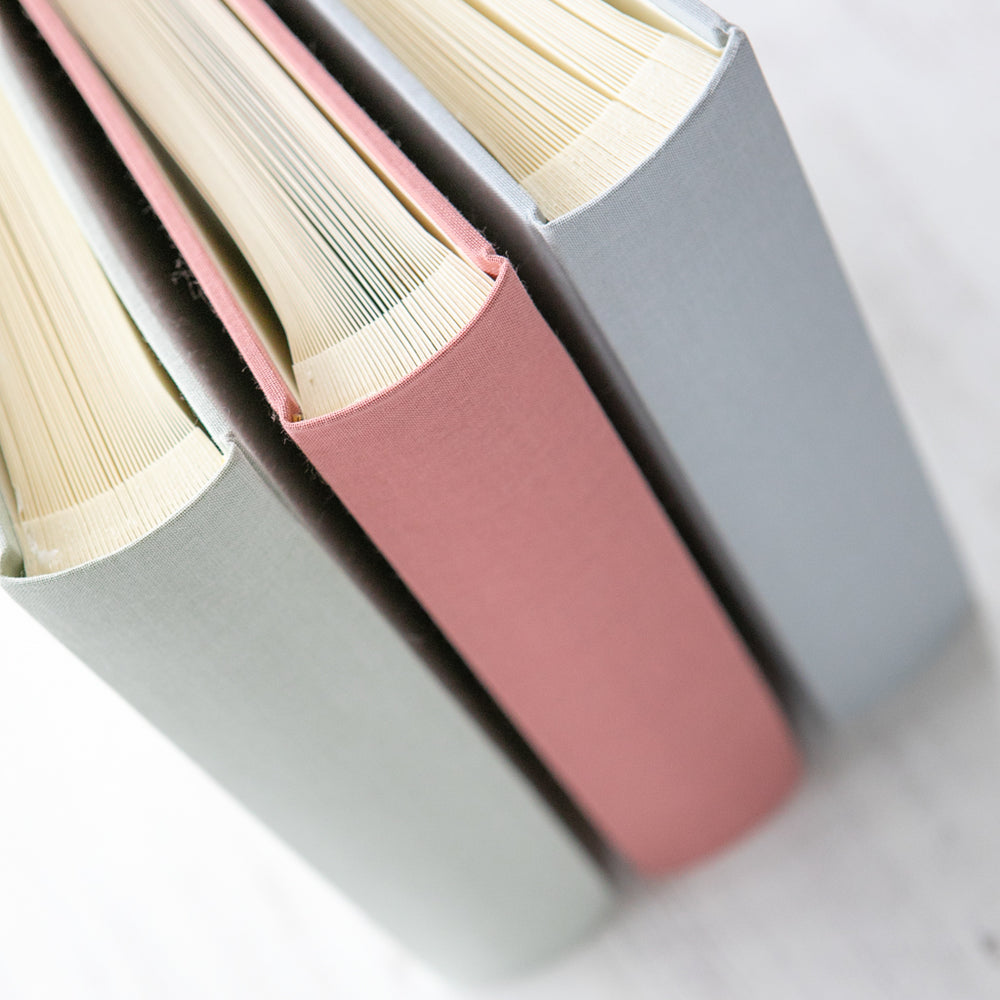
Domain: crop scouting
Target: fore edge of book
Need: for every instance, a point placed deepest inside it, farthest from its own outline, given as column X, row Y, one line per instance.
column 415, row 192
column 702, row 23
column 71, row 186
column 736, row 40
column 12, row 577
column 431, row 132
column 478, row 325
column 87, row 197
column 190, row 235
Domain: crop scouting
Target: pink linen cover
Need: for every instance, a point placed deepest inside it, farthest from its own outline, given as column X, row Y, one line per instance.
column 497, row 488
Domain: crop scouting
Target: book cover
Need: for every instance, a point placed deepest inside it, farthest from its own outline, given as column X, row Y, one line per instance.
column 271, row 645
column 703, row 300
column 495, row 486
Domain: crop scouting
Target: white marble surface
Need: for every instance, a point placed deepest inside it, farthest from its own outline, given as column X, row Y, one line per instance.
column 125, row 874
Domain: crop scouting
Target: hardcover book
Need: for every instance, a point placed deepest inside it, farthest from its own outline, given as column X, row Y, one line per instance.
column 241, row 612
column 629, row 158
column 419, row 379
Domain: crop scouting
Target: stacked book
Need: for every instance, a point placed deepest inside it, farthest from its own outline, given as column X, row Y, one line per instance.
column 579, row 508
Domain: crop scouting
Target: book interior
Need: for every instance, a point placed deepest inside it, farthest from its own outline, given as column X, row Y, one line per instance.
column 364, row 293
column 96, row 447
column 569, row 96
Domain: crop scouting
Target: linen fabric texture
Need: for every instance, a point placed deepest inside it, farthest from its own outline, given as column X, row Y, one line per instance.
column 258, row 630
column 497, row 489
column 702, row 298
column 241, row 640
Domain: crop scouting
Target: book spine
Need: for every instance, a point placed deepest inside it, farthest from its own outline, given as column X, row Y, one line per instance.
column 703, row 302
column 593, row 594
column 244, row 643
column 497, row 488
column 735, row 331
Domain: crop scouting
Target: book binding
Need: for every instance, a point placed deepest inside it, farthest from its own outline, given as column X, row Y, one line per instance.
column 497, row 489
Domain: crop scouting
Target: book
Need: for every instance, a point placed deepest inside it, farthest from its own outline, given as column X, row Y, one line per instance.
column 700, row 294
column 251, row 621
column 487, row 474
column 80, row 481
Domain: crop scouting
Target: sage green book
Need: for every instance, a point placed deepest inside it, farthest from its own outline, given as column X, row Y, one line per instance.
column 259, row 630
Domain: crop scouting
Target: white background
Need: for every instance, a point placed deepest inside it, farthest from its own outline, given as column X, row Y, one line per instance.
column 126, row 874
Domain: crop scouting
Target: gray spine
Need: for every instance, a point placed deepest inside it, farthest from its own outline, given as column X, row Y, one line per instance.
column 736, row 328
column 702, row 299
column 260, row 631
column 240, row 639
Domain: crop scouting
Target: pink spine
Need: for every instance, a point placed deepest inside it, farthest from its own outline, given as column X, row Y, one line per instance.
column 500, row 492
column 494, row 484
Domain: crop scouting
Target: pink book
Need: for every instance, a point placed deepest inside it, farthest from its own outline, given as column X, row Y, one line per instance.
column 493, row 482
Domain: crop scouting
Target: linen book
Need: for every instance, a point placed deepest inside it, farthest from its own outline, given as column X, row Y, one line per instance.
column 684, row 264
column 485, row 470
column 254, row 624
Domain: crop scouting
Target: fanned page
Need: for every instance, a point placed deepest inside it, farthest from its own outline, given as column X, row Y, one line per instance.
column 364, row 293
column 96, row 446
column 570, row 96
